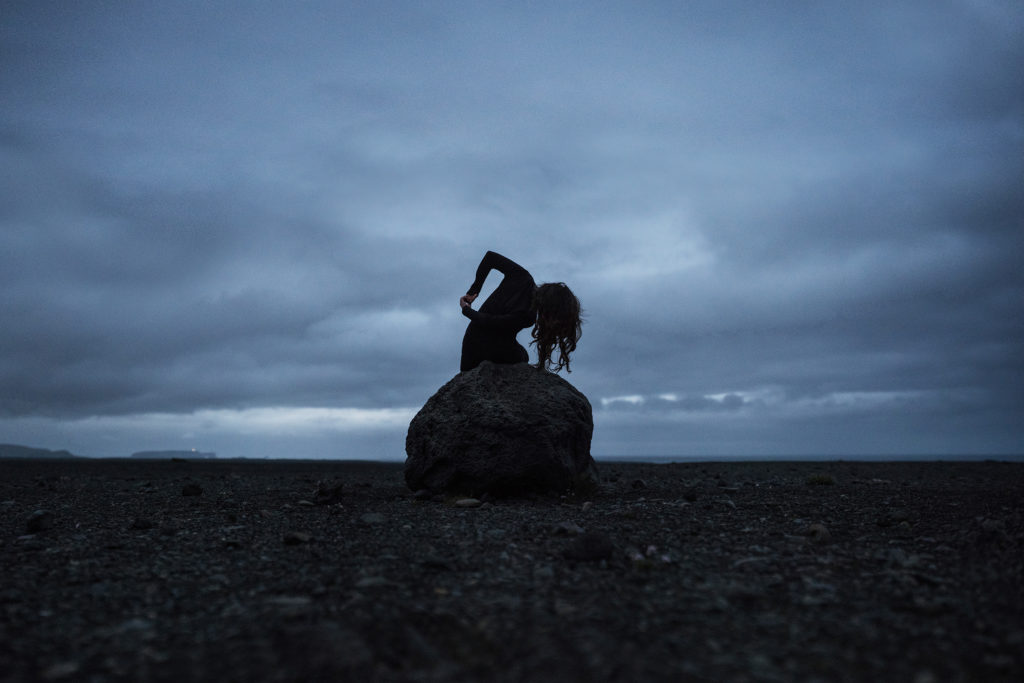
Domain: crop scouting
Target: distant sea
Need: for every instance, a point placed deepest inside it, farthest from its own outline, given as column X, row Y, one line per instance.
column 898, row 457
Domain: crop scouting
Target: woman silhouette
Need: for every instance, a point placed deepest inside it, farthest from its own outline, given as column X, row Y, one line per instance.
column 517, row 303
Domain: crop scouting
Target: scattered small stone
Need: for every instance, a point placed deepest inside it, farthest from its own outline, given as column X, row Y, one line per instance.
column 435, row 563
column 930, row 607
column 60, row 670
column 892, row 517
column 371, row 518
column 40, row 520
column 289, row 600
column 291, row 605
column 297, row 538
column 468, row 503
column 191, row 490
column 428, row 588
column 567, row 529
column 372, row 582
column 819, row 533
column 328, row 491
column 639, row 484
column 306, row 503
column 545, row 571
column 590, row 548
column 564, row 608
column 649, row 558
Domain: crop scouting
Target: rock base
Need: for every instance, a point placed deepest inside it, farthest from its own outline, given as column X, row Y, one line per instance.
column 503, row 430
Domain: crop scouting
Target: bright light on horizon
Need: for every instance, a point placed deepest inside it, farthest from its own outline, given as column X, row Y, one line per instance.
column 255, row 421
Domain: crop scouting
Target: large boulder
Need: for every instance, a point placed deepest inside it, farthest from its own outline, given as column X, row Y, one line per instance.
column 501, row 429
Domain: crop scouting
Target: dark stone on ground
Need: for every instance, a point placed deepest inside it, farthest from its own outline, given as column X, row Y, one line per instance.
column 502, row 429
column 297, row 538
column 191, row 490
column 40, row 520
column 590, row 548
column 328, row 491
column 657, row 588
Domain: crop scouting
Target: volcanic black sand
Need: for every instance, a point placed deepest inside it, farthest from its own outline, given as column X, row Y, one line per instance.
column 244, row 570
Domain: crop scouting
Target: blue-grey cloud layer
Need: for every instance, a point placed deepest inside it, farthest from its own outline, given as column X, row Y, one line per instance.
column 793, row 230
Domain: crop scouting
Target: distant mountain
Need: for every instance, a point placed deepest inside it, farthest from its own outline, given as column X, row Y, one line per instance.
column 12, row 451
column 163, row 455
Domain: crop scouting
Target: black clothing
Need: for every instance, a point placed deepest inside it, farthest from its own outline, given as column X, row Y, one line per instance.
column 492, row 330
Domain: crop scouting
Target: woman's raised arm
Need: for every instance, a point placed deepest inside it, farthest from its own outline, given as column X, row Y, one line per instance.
column 492, row 260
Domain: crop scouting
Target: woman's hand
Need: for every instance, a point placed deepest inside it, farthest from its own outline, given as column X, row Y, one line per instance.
column 466, row 299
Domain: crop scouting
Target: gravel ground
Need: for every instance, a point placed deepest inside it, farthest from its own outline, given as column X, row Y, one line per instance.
column 297, row 571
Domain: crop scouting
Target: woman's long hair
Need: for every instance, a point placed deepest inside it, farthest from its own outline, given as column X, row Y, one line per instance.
column 559, row 324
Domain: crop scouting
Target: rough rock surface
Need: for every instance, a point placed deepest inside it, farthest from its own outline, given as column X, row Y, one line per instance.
column 504, row 429
column 711, row 572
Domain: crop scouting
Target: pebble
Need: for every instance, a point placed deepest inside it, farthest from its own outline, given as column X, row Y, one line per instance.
column 291, row 605
column 40, row 520
column 545, row 571
column 435, row 563
column 590, row 548
column 564, row 608
column 328, row 491
column 567, row 529
column 893, row 516
column 297, row 538
column 289, row 600
column 467, row 503
column 372, row 582
column 819, row 533
column 141, row 524
column 60, row 670
column 191, row 490
column 372, row 518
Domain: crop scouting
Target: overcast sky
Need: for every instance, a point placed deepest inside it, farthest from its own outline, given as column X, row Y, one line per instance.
column 795, row 228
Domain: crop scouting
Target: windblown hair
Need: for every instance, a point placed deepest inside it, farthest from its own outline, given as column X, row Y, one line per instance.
column 559, row 324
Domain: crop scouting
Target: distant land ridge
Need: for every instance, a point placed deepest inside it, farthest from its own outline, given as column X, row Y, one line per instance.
column 197, row 455
column 12, row 451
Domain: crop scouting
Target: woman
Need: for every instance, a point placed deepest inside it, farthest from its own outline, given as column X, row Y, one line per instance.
column 516, row 304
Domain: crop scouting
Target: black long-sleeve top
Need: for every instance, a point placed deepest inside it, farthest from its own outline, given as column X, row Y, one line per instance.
column 492, row 330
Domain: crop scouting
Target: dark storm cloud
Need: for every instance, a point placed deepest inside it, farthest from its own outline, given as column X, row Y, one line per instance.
column 783, row 223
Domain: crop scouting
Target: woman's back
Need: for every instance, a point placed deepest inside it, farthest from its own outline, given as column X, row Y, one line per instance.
column 491, row 334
